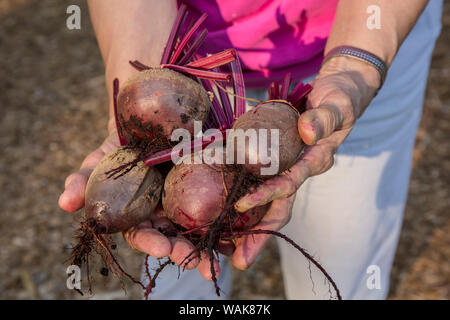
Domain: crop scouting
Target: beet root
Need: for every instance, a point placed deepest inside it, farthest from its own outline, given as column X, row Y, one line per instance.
column 116, row 204
column 154, row 102
column 271, row 115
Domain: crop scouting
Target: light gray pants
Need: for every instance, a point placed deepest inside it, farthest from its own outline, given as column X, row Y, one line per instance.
column 350, row 217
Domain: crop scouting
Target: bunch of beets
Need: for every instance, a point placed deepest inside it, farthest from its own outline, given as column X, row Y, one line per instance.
column 129, row 183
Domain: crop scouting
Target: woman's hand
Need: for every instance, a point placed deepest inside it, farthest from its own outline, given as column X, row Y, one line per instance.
column 72, row 199
column 341, row 92
column 146, row 237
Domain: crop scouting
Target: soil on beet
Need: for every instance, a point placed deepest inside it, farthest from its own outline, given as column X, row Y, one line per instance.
column 54, row 107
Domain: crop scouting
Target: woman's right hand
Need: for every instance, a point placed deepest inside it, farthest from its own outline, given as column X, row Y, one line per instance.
column 145, row 237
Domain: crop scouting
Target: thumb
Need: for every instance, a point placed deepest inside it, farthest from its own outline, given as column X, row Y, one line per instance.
column 319, row 123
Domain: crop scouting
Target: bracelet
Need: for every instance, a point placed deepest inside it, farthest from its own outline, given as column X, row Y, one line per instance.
column 359, row 54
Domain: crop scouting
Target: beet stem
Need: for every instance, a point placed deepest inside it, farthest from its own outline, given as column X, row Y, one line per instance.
column 239, row 87
column 217, row 111
column 285, row 86
column 173, row 34
column 226, row 104
column 276, row 91
column 122, row 139
column 213, row 121
column 214, row 60
column 139, row 66
column 166, row 155
column 208, row 123
column 186, row 38
column 299, row 93
column 193, row 49
column 271, row 91
column 203, row 74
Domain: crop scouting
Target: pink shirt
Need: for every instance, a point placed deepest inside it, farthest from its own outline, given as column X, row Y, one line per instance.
column 272, row 37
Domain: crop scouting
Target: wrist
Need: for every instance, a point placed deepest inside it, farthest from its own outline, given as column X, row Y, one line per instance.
column 369, row 73
column 364, row 76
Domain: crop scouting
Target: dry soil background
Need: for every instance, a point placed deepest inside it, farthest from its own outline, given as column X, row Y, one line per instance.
column 53, row 104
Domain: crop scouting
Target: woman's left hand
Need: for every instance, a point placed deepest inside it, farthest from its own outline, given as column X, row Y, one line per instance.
column 341, row 92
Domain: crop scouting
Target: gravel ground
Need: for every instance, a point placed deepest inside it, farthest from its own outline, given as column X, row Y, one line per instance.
column 54, row 107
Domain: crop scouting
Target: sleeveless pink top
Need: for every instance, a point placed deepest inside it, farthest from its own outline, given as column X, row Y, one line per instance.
column 272, row 37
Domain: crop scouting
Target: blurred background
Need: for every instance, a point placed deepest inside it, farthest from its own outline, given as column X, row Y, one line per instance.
column 54, row 112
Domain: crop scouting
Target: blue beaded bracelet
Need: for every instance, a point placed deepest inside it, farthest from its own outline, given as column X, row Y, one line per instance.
column 360, row 54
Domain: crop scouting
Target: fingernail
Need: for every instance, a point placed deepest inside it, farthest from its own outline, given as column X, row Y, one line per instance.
column 241, row 205
column 248, row 202
column 311, row 131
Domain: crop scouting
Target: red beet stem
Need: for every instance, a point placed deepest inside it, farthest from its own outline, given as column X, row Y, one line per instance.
column 209, row 123
column 166, row 155
column 214, row 60
column 272, row 91
column 179, row 35
column 139, row 66
column 186, row 39
column 285, row 86
column 122, row 139
column 239, row 87
column 173, row 34
column 299, row 93
column 212, row 121
column 203, row 74
column 194, row 47
column 217, row 111
column 226, row 104
column 276, row 90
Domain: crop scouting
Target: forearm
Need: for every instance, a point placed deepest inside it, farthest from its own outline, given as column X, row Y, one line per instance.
column 350, row 29
column 130, row 30
column 397, row 20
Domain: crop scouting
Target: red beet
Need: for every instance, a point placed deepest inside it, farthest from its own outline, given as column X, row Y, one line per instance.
column 116, row 204
column 155, row 102
column 195, row 195
column 271, row 116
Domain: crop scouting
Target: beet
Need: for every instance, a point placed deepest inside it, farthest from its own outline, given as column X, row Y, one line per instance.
column 271, row 115
column 157, row 101
column 195, row 195
column 120, row 203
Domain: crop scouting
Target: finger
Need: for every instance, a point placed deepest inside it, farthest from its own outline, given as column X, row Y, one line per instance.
column 146, row 239
column 249, row 247
column 181, row 247
column 182, row 253
column 320, row 157
column 319, row 123
column 279, row 187
column 314, row 160
column 72, row 199
column 204, row 267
